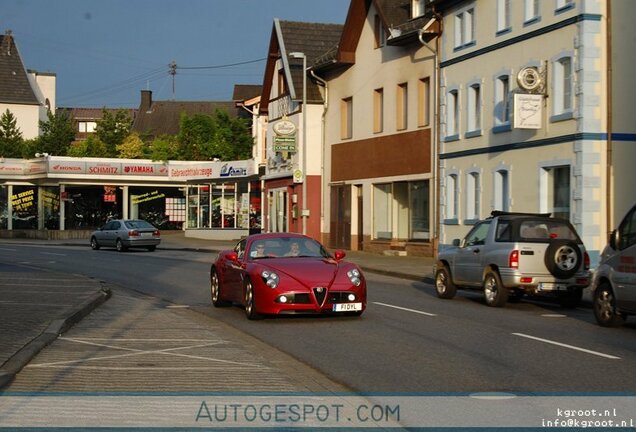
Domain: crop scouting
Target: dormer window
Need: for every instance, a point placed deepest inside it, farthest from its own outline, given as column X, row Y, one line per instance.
column 417, row 8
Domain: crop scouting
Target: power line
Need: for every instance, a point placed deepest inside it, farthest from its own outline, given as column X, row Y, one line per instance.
column 222, row 66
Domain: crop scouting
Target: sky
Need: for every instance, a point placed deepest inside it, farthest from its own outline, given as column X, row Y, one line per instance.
column 104, row 52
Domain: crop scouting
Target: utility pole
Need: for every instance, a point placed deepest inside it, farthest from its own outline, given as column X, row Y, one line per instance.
column 173, row 72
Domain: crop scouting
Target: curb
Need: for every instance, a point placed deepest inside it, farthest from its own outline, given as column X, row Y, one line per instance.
column 21, row 358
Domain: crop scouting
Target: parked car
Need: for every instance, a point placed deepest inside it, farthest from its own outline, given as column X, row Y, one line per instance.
column 509, row 255
column 286, row 273
column 614, row 284
column 126, row 233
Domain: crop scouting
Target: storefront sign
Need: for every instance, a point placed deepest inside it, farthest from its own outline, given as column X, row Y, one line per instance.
column 149, row 196
column 229, row 170
column 181, row 171
column 141, row 169
column 23, row 200
column 104, row 168
column 67, row 167
column 11, row 168
column 528, row 111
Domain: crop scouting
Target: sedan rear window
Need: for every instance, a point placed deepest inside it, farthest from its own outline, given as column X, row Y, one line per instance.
column 136, row 224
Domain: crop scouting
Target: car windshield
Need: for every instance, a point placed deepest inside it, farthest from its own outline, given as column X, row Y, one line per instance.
column 287, row 247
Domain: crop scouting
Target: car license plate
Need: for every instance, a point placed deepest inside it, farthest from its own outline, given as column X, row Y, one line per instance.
column 548, row 286
column 347, row 307
column 146, row 234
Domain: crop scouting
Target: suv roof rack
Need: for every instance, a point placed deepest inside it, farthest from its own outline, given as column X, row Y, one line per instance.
column 496, row 213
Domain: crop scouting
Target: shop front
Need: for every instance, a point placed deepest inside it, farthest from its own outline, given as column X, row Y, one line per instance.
column 62, row 197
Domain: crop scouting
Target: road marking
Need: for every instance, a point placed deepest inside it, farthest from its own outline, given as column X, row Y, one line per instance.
column 52, row 253
column 177, row 307
column 568, row 346
column 138, row 352
column 405, row 309
column 10, row 250
column 554, row 316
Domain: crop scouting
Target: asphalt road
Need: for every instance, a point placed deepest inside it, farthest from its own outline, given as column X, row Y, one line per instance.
column 407, row 341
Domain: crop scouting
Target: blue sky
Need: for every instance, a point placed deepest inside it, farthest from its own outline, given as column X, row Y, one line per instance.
column 104, row 52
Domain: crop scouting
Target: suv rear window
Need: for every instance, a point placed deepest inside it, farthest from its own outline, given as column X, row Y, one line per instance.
column 534, row 230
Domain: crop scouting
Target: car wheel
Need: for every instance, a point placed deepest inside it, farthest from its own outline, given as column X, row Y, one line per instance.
column 605, row 307
column 215, row 290
column 151, row 248
column 120, row 246
column 563, row 258
column 250, row 302
column 444, row 286
column 571, row 299
column 495, row 294
column 94, row 244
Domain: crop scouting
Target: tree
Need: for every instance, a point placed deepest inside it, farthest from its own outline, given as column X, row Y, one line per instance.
column 112, row 129
column 164, row 148
column 90, row 147
column 57, row 134
column 217, row 135
column 132, row 147
column 10, row 136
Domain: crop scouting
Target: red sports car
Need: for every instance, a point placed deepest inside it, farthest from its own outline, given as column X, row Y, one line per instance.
column 285, row 273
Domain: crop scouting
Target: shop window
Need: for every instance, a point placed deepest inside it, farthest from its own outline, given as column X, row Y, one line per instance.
column 419, row 206
column 89, row 207
column 382, row 211
column 4, row 207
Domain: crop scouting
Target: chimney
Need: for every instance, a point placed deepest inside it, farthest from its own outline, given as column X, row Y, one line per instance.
column 146, row 101
column 6, row 42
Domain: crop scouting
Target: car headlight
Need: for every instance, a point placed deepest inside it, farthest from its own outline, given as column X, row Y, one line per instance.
column 354, row 277
column 271, row 279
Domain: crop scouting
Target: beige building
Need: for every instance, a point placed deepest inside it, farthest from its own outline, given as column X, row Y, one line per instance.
column 379, row 177
column 534, row 112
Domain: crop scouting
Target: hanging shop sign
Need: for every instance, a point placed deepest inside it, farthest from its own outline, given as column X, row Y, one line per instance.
column 284, row 136
column 528, row 111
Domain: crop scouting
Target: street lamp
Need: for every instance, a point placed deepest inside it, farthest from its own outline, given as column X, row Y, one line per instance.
column 303, row 148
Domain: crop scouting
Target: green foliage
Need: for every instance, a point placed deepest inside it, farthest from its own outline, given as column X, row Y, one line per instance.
column 164, row 148
column 57, row 134
column 90, row 147
column 206, row 137
column 29, row 148
column 112, row 129
column 10, row 136
column 132, row 147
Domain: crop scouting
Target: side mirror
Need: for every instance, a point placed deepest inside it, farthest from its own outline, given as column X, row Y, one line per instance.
column 230, row 255
column 612, row 239
column 339, row 254
column 456, row 242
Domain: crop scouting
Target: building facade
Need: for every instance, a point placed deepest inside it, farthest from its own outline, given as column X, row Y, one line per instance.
column 379, row 172
column 533, row 115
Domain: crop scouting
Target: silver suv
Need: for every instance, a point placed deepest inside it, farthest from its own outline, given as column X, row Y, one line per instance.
column 509, row 255
column 614, row 285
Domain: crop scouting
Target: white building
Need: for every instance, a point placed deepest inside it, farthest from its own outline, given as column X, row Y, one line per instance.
column 535, row 112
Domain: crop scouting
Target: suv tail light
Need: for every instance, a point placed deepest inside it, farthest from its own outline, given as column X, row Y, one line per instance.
column 133, row 233
column 586, row 261
column 513, row 259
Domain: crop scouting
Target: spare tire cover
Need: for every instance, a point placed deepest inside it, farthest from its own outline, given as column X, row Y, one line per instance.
column 563, row 258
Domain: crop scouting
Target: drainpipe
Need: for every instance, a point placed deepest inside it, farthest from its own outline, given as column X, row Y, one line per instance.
column 435, row 141
column 610, row 165
column 322, row 161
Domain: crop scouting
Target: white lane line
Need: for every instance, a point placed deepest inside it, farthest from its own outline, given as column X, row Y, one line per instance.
column 568, row 346
column 9, row 250
column 405, row 309
column 52, row 253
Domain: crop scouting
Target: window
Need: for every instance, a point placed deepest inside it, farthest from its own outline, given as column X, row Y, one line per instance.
column 380, row 32
column 452, row 192
column 474, row 108
column 452, row 114
column 563, row 87
column 559, row 191
column 477, row 235
column 417, row 8
column 627, row 231
column 382, row 211
column 502, row 100
column 473, row 196
column 87, row 126
column 282, row 87
column 530, row 10
column 464, row 28
column 503, row 16
column 402, row 106
column 378, row 110
column 562, row 5
column 419, row 206
column 346, row 118
column 502, row 190
column 423, row 101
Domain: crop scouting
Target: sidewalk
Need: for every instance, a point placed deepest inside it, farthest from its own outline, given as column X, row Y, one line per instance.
column 37, row 306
